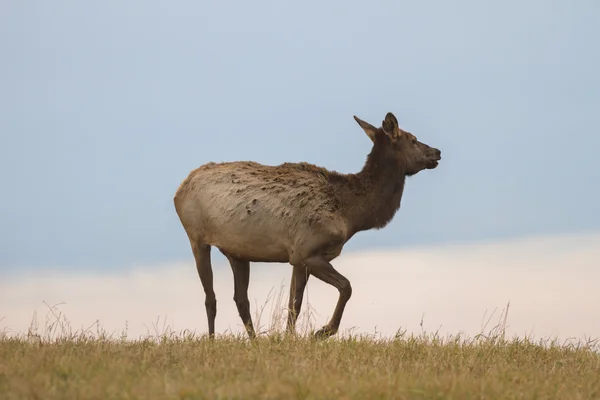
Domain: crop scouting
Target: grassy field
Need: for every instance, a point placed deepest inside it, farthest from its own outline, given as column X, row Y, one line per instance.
column 287, row 368
column 64, row 365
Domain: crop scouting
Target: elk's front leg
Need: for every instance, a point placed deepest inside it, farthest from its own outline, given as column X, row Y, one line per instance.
column 323, row 270
column 298, row 284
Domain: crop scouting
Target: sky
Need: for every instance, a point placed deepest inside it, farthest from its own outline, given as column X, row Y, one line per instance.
column 107, row 106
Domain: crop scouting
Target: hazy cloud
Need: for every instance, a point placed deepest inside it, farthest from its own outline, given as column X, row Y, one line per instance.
column 551, row 283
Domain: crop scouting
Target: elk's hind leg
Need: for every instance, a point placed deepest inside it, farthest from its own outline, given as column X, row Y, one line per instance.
column 203, row 265
column 241, row 279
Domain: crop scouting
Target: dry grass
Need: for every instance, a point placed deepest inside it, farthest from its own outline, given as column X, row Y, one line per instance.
column 62, row 364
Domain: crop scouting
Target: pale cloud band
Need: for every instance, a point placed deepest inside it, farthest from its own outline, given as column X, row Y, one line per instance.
column 550, row 282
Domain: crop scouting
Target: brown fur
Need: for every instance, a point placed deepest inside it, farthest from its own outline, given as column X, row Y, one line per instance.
column 295, row 212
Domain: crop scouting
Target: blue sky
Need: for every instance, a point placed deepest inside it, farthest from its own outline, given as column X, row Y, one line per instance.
column 106, row 107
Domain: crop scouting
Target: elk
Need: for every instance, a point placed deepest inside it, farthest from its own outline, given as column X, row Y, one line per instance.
column 296, row 213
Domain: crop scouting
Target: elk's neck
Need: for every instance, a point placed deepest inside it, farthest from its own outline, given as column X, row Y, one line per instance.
column 375, row 192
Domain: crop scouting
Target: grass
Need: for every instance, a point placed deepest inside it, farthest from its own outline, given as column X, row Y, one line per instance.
column 62, row 364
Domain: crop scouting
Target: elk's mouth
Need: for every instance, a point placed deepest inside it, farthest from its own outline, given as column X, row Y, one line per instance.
column 433, row 162
column 433, row 158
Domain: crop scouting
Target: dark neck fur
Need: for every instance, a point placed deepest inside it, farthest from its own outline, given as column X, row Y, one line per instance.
column 372, row 196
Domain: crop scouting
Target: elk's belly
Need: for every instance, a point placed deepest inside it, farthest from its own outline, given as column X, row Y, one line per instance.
column 257, row 238
column 252, row 245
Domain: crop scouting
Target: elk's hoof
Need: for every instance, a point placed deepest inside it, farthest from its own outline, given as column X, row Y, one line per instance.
column 324, row 333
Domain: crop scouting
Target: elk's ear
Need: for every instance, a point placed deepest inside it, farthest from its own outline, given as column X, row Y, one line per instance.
column 369, row 129
column 390, row 125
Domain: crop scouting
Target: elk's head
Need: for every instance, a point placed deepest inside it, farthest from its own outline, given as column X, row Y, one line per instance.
column 411, row 154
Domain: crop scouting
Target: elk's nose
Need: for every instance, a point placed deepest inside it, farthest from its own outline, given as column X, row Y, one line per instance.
column 438, row 153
